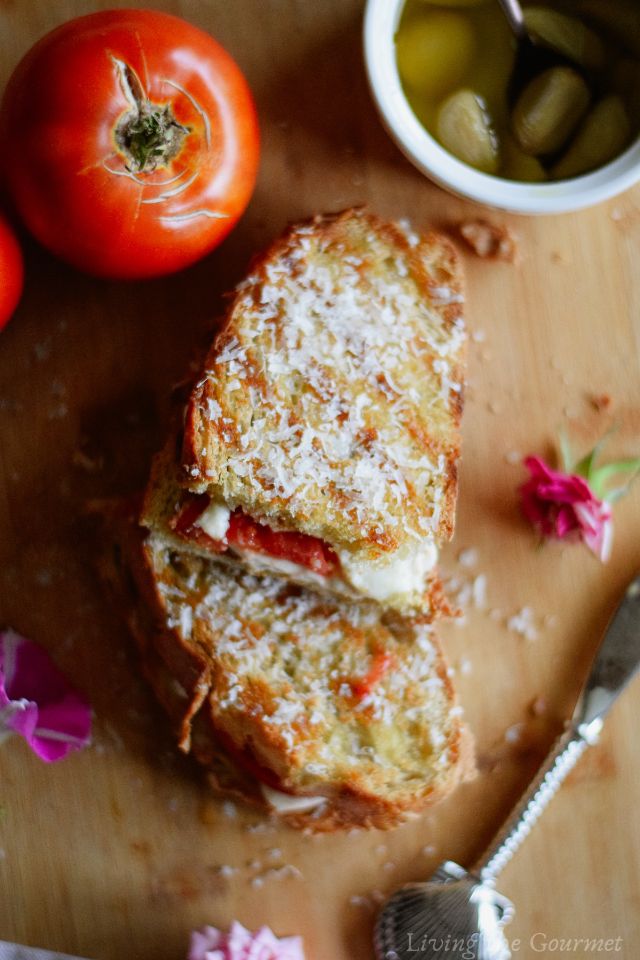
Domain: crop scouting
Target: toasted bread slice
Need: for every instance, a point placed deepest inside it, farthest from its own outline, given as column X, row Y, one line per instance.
column 330, row 405
column 330, row 714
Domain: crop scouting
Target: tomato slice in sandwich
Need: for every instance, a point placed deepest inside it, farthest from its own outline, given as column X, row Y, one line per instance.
column 248, row 534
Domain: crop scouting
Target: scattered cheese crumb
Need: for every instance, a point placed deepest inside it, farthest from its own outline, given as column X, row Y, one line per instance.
column 468, row 558
column 261, row 827
column 466, row 667
column 513, row 733
column 479, row 591
column 522, row 623
column 358, row 901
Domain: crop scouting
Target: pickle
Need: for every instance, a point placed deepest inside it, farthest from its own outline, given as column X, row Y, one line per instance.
column 566, row 35
column 517, row 165
column 625, row 80
column 434, row 52
column 464, row 128
column 620, row 20
column 490, row 73
column 601, row 137
column 548, row 110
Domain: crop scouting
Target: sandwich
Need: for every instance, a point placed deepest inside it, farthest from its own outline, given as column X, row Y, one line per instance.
column 328, row 713
column 320, row 444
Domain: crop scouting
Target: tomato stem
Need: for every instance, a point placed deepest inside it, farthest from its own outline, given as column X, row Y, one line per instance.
column 149, row 134
column 152, row 137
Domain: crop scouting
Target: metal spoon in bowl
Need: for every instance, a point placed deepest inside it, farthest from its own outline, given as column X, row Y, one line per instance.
column 533, row 56
column 459, row 913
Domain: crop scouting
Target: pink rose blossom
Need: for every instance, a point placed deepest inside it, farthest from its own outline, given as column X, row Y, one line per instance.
column 37, row 702
column 563, row 506
column 240, row 944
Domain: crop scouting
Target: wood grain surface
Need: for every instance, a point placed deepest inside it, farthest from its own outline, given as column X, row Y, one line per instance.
column 116, row 852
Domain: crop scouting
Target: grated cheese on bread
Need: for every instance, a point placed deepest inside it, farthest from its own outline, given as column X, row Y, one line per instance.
column 330, row 403
column 328, row 713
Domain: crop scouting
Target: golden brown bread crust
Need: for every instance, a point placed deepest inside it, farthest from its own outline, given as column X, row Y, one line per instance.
column 331, row 400
column 192, row 680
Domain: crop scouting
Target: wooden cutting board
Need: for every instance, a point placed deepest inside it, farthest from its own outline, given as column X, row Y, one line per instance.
column 119, row 851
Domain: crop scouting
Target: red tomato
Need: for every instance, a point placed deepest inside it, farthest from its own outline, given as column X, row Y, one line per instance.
column 381, row 663
column 248, row 534
column 11, row 272
column 300, row 548
column 130, row 142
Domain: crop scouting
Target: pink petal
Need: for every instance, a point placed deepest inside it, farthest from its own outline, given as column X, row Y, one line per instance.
column 552, row 485
column 596, row 528
column 563, row 506
column 203, row 940
column 37, row 702
column 18, row 716
column 240, row 944
column 565, row 522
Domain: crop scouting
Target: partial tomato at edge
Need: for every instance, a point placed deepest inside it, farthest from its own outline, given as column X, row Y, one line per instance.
column 11, row 272
column 130, row 142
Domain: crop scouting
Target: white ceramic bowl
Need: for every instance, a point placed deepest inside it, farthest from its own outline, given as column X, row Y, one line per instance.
column 380, row 25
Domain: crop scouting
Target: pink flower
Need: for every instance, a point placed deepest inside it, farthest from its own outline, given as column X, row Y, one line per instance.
column 564, row 506
column 37, row 702
column 240, row 944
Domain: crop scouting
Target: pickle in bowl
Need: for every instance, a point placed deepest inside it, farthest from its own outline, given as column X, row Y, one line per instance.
column 464, row 128
column 455, row 59
column 549, row 110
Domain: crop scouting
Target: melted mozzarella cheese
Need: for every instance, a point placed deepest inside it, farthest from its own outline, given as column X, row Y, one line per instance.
column 214, row 520
column 265, row 563
column 287, row 803
column 401, row 574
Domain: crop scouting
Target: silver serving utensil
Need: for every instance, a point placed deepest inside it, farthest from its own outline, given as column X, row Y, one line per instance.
column 459, row 913
column 532, row 56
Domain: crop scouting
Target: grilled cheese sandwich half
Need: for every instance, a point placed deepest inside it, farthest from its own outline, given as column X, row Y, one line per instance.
column 192, row 523
column 326, row 713
column 324, row 431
